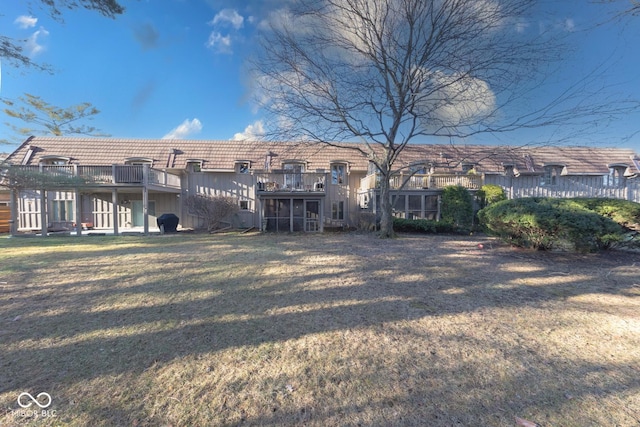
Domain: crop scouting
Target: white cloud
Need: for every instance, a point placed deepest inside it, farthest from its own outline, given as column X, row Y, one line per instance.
column 185, row 129
column 24, row 21
column 456, row 100
column 219, row 43
column 569, row 25
column 521, row 26
column 32, row 45
column 564, row 25
column 253, row 132
column 228, row 16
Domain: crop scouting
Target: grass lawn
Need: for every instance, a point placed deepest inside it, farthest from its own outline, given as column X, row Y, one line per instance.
column 317, row 330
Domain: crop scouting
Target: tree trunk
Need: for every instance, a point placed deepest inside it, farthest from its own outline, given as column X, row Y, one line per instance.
column 386, row 217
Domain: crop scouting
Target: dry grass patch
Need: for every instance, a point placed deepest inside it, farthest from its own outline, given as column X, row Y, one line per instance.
column 335, row 329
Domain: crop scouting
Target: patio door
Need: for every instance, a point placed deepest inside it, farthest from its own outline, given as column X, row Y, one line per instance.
column 137, row 212
column 312, row 220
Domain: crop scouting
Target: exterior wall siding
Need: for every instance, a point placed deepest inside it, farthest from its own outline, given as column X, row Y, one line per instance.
column 129, row 208
column 97, row 207
column 239, row 186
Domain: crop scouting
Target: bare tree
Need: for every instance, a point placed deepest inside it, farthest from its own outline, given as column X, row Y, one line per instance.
column 12, row 50
column 213, row 209
column 387, row 72
column 629, row 7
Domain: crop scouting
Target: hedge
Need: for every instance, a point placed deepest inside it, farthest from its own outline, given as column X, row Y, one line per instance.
column 457, row 208
column 421, row 226
column 584, row 225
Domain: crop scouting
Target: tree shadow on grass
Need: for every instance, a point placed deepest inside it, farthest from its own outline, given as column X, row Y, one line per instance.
column 78, row 331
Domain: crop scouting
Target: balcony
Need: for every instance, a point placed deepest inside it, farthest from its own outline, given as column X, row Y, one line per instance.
column 85, row 175
column 423, row 181
column 285, row 182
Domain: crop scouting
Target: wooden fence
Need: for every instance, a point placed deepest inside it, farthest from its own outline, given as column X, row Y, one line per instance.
column 567, row 187
column 5, row 216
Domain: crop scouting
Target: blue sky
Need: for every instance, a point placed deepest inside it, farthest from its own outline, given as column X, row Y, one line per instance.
column 176, row 68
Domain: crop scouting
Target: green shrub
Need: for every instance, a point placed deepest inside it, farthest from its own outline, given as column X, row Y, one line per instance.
column 544, row 223
column 624, row 212
column 457, row 208
column 421, row 226
column 489, row 194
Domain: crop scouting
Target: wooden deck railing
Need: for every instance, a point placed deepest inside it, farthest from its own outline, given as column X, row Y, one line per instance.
column 423, row 181
column 107, row 175
column 291, row 181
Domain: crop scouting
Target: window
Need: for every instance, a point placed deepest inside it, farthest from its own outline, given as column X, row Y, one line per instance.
column 616, row 176
column 418, row 168
column 414, row 207
column 277, row 215
column 398, row 203
column 55, row 160
column 337, row 210
column 509, row 169
column 62, row 210
column 293, row 175
column 244, row 205
column 194, row 165
column 295, row 167
column 338, row 173
column 372, row 168
column 468, row 168
column 138, row 161
column 242, row 167
column 551, row 175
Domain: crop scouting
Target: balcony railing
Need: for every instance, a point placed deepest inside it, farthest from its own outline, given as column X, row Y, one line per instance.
column 423, row 181
column 291, row 181
column 105, row 175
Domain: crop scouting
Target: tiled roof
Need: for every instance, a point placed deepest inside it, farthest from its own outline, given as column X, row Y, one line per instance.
column 215, row 154
column 487, row 158
column 223, row 155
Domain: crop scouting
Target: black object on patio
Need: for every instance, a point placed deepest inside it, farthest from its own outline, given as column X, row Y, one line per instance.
column 168, row 222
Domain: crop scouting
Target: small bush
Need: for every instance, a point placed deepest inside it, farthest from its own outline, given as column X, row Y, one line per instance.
column 490, row 194
column 213, row 209
column 366, row 221
column 543, row 223
column 421, row 226
column 457, row 208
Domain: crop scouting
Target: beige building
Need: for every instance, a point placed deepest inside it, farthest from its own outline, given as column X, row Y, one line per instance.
column 125, row 184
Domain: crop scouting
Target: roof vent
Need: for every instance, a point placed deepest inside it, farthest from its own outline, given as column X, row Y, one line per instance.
column 27, row 155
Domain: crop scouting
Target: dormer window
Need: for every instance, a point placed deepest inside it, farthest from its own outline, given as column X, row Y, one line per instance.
column 509, row 169
column 194, row 165
column 469, row 168
column 243, row 166
column 616, row 177
column 55, row 160
column 551, row 174
column 372, row 168
column 295, row 165
column 339, row 173
column 418, row 168
column 139, row 161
